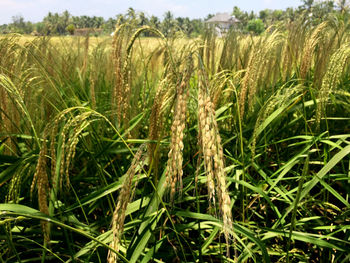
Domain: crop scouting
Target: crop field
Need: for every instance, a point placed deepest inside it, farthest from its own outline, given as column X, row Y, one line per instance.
column 135, row 149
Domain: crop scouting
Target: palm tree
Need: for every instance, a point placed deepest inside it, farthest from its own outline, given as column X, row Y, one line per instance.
column 131, row 14
column 187, row 26
column 154, row 22
column 168, row 23
column 143, row 20
column 308, row 4
column 97, row 21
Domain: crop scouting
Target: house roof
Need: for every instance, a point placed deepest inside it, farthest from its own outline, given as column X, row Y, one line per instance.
column 223, row 18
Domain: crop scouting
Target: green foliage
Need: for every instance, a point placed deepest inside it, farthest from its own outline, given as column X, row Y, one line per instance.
column 314, row 12
column 87, row 126
column 70, row 29
column 256, row 26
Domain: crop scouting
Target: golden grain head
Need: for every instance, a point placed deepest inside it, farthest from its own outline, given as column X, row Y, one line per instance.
column 124, row 198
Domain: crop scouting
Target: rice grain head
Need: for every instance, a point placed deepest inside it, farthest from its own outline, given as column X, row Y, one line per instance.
column 211, row 147
column 41, row 181
column 174, row 170
column 156, row 123
column 309, row 49
column 331, row 79
column 122, row 203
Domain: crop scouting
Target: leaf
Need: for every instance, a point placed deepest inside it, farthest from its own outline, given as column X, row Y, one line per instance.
column 332, row 162
column 18, row 208
column 149, row 223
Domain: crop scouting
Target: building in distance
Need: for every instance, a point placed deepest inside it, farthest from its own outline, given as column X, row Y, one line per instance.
column 223, row 22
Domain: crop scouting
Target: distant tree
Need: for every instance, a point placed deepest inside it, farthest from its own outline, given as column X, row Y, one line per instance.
column 40, row 28
column 50, row 24
column 313, row 11
column 18, row 24
column 168, row 24
column 65, row 19
column 154, row 22
column 238, row 13
column 308, row 4
column 208, row 17
column 56, row 24
column 187, row 26
column 322, row 10
column 131, row 16
column 4, row 29
column 143, row 20
column 277, row 15
column 256, row 26
column 198, row 27
column 264, row 15
column 109, row 25
column 29, row 27
column 179, row 22
column 98, row 21
column 18, row 21
column 243, row 17
column 290, row 14
column 251, row 15
column 70, row 29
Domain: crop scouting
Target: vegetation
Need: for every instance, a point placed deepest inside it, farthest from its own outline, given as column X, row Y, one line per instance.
column 167, row 149
column 62, row 24
column 256, row 26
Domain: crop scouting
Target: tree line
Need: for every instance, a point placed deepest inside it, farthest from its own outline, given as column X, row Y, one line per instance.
column 65, row 23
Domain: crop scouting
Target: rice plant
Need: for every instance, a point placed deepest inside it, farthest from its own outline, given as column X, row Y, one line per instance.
column 137, row 149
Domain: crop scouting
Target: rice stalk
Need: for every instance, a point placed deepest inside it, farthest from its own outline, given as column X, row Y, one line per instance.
column 174, row 170
column 123, row 41
column 118, row 58
column 124, row 198
column 74, row 127
column 331, row 79
column 261, row 56
column 156, row 123
column 86, row 52
column 283, row 96
column 93, row 80
column 18, row 106
column 211, row 148
column 309, row 49
column 41, row 181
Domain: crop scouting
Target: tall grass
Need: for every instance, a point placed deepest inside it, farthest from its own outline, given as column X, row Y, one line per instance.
column 176, row 150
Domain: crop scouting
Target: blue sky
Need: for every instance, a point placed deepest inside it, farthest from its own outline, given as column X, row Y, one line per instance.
column 35, row 10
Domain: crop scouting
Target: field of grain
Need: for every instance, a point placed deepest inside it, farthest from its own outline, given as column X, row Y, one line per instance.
column 133, row 149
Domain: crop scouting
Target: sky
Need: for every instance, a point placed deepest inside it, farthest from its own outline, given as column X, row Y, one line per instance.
column 35, row 10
